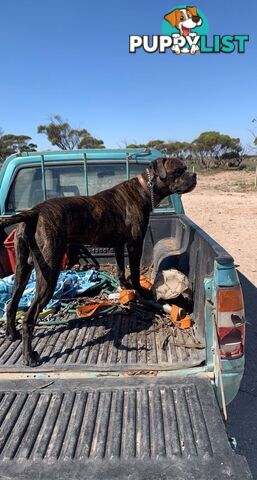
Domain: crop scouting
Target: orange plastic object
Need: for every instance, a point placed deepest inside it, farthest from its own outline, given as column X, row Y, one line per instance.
column 91, row 308
column 185, row 322
column 126, row 296
column 180, row 318
column 177, row 313
column 146, row 283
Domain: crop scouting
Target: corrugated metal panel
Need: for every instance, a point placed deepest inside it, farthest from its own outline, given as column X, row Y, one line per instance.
column 115, row 342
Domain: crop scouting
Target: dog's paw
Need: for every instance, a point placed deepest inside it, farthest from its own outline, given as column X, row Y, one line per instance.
column 12, row 335
column 126, row 285
column 33, row 360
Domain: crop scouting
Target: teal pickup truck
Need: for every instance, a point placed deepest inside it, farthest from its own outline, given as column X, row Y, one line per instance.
column 108, row 401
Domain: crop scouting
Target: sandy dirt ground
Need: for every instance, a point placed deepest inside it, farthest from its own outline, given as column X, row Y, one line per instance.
column 225, row 206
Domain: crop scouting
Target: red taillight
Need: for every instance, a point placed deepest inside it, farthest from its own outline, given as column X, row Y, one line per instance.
column 231, row 322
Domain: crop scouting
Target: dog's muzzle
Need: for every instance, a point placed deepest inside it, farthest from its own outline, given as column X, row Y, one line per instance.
column 188, row 183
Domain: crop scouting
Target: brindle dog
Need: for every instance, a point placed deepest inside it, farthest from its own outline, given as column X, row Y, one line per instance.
column 112, row 218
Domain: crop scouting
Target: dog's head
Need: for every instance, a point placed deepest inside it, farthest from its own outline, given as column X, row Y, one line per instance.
column 184, row 19
column 170, row 175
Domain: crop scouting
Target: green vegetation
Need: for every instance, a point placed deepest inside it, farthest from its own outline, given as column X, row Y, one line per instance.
column 210, row 150
column 10, row 144
column 60, row 133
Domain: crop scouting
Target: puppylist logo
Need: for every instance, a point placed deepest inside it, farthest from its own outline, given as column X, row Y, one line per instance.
column 185, row 31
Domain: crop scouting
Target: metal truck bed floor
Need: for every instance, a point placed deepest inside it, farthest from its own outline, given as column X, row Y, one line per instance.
column 116, row 342
column 133, row 428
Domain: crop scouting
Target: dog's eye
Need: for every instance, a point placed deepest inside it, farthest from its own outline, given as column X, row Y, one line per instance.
column 189, row 15
column 180, row 172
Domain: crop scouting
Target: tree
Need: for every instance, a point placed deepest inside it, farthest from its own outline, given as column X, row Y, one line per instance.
column 255, row 137
column 212, row 147
column 178, row 149
column 60, row 133
column 159, row 144
column 136, row 145
column 10, row 144
column 209, row 149
column 91, row 142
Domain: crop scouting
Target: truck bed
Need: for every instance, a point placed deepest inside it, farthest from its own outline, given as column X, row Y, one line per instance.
column 120, row 341
column 106, row 402
column 106, row 343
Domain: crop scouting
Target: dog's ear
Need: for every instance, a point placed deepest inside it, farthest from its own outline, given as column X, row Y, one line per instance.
column 173, row 17
column 193, row 11
column 174, row 165
column 159, row 169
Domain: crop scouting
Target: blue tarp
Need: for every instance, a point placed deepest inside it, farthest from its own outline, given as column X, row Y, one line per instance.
column 69, row 284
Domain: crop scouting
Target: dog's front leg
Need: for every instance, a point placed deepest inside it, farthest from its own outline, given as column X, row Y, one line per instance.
column 119, row 254
column 135, row 252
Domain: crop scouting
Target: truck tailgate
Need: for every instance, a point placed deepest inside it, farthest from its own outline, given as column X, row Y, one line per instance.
column 131, row 427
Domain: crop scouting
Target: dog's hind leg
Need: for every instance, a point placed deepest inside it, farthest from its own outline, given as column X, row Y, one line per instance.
column 47, row 261
column 22, row 274
column 44, row 292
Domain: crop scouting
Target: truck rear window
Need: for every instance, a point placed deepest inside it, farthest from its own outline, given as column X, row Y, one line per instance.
column 68, row 180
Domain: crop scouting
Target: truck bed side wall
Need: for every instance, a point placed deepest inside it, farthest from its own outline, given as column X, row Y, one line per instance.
column 176, row 242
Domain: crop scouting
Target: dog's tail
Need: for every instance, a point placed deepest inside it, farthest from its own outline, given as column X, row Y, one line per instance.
column 25, row 217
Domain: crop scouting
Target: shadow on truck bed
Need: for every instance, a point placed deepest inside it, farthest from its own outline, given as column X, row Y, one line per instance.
column 120, row 341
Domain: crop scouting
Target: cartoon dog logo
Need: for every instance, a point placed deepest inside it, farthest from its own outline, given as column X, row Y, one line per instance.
column 184, row 20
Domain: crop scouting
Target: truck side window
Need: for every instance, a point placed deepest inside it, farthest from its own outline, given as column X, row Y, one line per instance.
column 104, row 176
column 27, row 184
column 26, row 190
column 68, row 180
